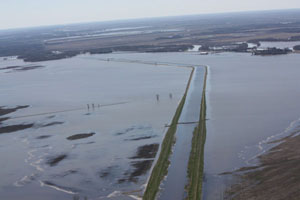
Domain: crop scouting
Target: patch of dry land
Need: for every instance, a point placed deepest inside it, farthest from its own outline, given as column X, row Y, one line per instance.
column 276, row 177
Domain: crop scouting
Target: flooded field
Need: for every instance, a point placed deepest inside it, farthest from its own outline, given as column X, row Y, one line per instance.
column 80, row 127
column 251, row 100
column 108, row 150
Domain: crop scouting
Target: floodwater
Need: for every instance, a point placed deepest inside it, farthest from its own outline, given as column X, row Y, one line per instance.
column 250, row 99
column 55, row 146
column 173, row 187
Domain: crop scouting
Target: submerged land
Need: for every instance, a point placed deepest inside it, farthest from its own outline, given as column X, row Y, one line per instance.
column 103, row 94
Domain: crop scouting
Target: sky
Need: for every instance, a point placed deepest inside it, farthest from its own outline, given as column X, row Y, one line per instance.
column 29, row 13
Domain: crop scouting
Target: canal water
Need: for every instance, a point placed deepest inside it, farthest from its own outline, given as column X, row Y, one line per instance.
column 176, row 180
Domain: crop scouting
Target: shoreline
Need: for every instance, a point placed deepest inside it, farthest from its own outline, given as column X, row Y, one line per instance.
column 276, row 176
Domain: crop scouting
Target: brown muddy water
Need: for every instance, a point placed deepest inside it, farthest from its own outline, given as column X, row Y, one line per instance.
column 250, row 100
column 55, row 146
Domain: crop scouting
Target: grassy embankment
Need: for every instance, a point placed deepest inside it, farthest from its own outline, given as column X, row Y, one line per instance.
column 196, row 160
column 160, row 169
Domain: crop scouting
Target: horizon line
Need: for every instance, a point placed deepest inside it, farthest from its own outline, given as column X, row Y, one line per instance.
column 140, row 18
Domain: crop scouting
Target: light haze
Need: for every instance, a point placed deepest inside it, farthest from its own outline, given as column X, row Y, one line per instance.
column 27, row 13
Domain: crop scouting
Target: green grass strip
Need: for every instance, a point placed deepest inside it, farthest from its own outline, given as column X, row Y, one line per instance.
column 196, row 160
column 160, row 169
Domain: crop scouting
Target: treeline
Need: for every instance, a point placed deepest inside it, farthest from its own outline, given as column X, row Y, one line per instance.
column 272, row 51
column 154, row 48
column 296, row 48
column 37, row 52
column 243, row 47
column 16, row 49
column 36, row 56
